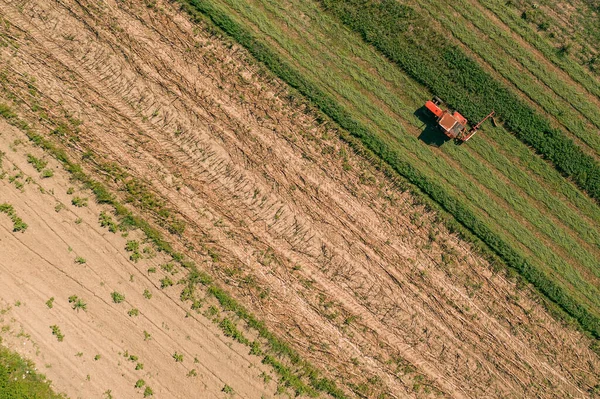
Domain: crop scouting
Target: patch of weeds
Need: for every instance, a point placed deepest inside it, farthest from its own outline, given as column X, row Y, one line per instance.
column 178, row 357
column 79, row 260
column 79, row 354
column 97, row 357
column 227, row 389
column 107, row 221
column 211, row 311
column 230, row 330
column 196, row 304
column 266, row 377
column 147, row 294
column 148, row 392
column 59, row 207
column 78, row 221
column 46, row 173
column 37, row 163
column 70, row 191
column 79, row 202
column 192, row 373
column 255, row 348
column 151, row 269
column 140, row 383
column 147, row 336
column 134, row 247
column 117, row 297
column 133, row 312
column 18, row 224
column 56, row 332
column 166, row 282
column 50, row 303
column 139, row 366
column 168, row 268
column 149, row 252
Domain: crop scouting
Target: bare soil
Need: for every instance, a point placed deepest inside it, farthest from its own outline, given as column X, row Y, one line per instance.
column 363, row 281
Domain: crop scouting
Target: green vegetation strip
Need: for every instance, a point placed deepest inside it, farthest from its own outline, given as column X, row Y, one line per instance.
column 374, row 144
column 18, row 224
column 277, row 348
column 406, row 38
column 19, row 380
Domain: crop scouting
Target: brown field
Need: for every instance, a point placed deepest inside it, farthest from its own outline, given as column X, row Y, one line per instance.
column 352, row 271
column 39, row 264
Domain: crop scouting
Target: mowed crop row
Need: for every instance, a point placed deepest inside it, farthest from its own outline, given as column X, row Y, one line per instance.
column 374, row 100
column 556, row 93
column 406, row 38
column 570, row 41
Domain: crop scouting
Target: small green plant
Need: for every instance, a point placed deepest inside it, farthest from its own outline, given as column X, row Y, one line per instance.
column 165, row 282
column 46, row 173
column 139, row 366
column 133, row 312
column 80, row 260
column 140, row 383
column 56, row 332
column 117, row 297
column 79, row 202
column 148, row 392
column 37, row 163
column 147, row 336
column 192, row 373
column 77, row 303
column 147, row 294
column 178, row 357
column 79, row 354
column 133, row 358
column 227, row 389
column 70, row 190
column 98, row 357
column 151, row 269
column 59, row 207
column 78, row 221
column 50, row 303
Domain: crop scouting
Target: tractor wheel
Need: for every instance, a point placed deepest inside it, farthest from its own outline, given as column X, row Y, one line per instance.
column 436, row 100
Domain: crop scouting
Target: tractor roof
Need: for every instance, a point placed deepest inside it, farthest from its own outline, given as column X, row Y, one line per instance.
column 451, row 125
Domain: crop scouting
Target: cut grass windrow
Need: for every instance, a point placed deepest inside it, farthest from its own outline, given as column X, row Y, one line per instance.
column 375, row 145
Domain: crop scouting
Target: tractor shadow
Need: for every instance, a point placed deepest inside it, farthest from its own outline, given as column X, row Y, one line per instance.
column 431, row 135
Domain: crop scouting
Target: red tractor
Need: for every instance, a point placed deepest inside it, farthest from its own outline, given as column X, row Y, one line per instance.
column 454, row 125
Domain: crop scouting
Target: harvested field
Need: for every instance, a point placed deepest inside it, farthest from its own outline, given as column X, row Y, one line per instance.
column 355, row 273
